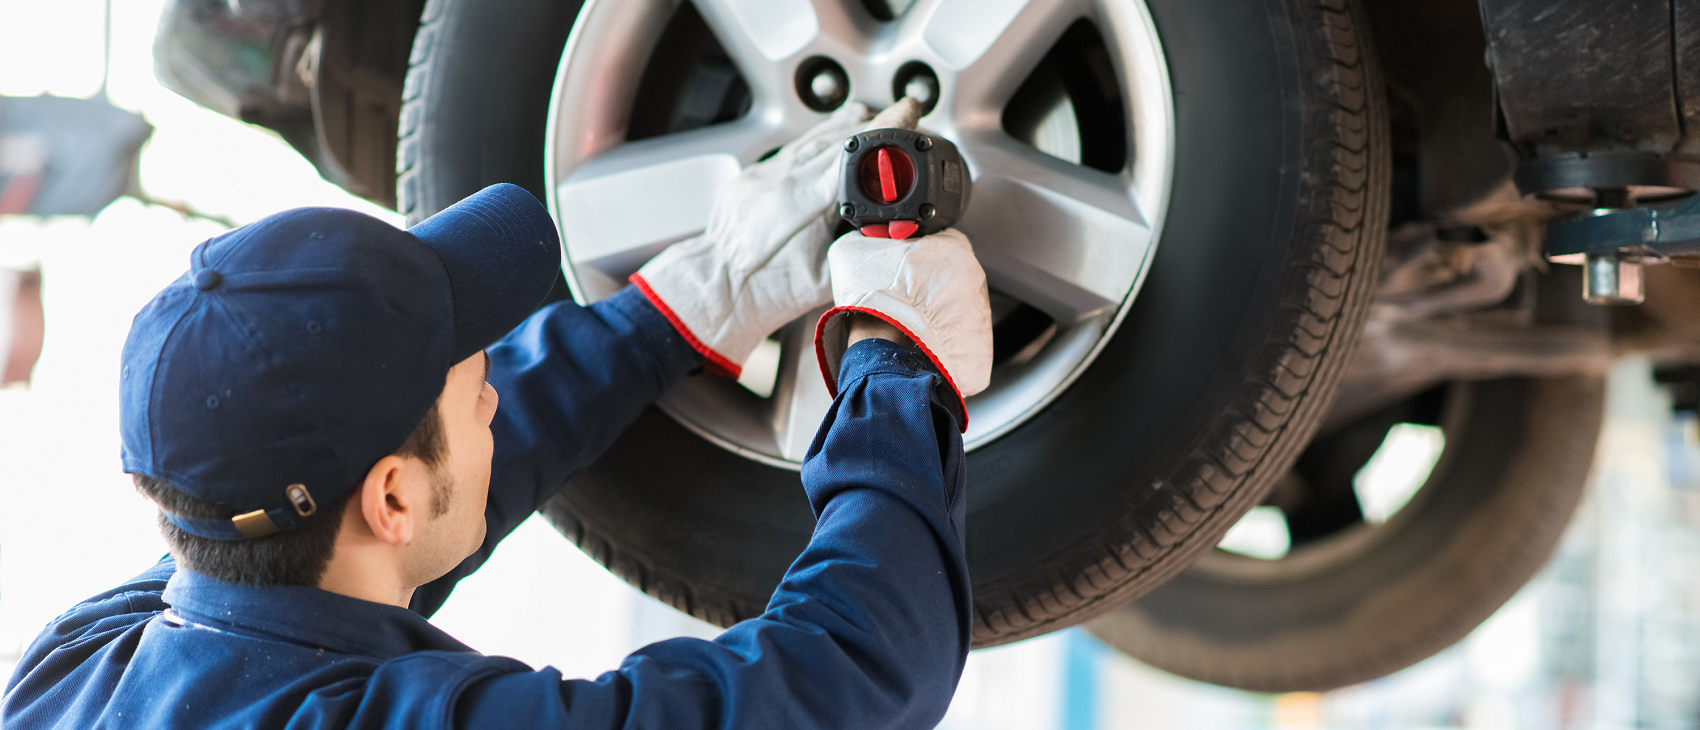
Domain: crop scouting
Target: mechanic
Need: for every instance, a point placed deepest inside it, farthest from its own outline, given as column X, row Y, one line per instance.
column 313, row 407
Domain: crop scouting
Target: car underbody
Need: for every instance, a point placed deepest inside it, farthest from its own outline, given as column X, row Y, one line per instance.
column 1454, row 301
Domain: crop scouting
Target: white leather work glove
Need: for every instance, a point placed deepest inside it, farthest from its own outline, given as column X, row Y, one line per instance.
column 931, row 288
column 762, row 260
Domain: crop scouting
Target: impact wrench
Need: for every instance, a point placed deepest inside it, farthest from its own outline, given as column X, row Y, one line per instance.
column 894, row 183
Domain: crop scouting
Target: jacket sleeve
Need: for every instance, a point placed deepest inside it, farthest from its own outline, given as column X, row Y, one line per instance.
column 868, row 629
column 571, row 379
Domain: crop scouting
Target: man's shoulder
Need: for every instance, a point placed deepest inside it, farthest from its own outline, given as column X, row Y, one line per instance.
column 126, row 654
column 141, row 592
column 133, row 602
column 94, row 633
column 161, row 674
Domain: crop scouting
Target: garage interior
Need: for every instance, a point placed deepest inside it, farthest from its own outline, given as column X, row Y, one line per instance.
column 1605, row 635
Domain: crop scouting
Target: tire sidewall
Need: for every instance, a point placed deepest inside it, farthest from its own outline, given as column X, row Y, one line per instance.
column 476, row 99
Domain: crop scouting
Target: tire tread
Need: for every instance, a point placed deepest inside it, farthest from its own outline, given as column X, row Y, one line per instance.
column 1302, row 361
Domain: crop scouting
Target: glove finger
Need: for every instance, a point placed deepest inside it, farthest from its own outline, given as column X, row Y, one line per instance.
column 852, row 113
column 814, row 285
column 826, row 135
column 816, row 153
column 905, row 114
column 829, row 133
column 837, row 126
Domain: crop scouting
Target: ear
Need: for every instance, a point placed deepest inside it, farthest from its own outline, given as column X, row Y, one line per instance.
column 385, row 504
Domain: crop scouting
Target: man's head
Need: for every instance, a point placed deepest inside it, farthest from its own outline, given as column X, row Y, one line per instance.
column 413, row 518
column 315, row 383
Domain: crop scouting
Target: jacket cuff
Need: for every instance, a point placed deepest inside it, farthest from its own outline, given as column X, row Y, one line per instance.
column 713, row 361
column 670, row 348
column 875, row 356
column 831, row 326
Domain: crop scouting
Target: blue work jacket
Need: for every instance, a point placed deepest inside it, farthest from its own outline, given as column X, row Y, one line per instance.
column 868, row 629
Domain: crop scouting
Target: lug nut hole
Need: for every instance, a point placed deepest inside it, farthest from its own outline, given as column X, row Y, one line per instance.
column 822, row 84
column 917, row 79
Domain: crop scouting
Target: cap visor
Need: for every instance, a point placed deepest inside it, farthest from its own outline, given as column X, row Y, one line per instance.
column 502, row 254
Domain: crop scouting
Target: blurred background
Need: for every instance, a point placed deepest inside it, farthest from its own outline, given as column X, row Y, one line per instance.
column 1608, row 636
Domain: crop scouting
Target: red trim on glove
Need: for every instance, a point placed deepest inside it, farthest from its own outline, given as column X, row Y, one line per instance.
column 714, row 362
column 832, row 384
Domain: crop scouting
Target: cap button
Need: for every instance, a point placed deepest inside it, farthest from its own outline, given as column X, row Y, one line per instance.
column 208, row 280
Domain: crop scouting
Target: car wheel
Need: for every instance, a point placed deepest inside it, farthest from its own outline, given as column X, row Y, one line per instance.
column 1180, row 207
column 1361, row 594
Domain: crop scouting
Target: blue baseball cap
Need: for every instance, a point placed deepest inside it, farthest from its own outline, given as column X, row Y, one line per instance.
column 299, row 350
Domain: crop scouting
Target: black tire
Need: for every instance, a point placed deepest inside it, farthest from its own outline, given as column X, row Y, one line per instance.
column 1205, row 395
column 476, row 97
column 1370, row 600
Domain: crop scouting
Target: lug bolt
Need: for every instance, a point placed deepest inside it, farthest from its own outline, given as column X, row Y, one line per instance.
column 826, row 86
column 928, row 211
column 1611, row 279
column 852, row 144
column 923, row 144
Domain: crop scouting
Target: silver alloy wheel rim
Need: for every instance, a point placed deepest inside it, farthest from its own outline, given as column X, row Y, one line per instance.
column 1071, row 241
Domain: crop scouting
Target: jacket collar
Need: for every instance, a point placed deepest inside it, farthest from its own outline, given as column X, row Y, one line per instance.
column 306, row 616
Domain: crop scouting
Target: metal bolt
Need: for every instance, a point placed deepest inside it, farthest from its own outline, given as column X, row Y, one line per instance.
column 1610, row 279
column 924, row 89
column 928, row 211
column 847, row 210
column 826, row 86
column 852, row 144
column 923, row 144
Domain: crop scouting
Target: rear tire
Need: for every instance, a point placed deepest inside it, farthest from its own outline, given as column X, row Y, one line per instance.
column 1207, row 392
column 1373, row 599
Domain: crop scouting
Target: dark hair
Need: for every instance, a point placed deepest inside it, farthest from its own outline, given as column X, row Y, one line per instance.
column 294, row 558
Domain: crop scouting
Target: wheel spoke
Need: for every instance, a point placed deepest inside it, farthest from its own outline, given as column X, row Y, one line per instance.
column 800, row 398
column 623, row 207
column 846, row 28
column 759, row 34
column 766, row 38
column 991, row 45
column 1064, row 238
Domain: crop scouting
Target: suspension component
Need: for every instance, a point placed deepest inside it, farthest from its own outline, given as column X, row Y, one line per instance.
column 1614, row 245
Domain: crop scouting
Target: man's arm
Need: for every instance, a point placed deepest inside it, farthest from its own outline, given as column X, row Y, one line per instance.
column 870, row 626
column 571, row 379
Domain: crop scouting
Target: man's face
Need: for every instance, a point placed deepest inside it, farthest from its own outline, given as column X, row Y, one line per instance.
column 467, row 405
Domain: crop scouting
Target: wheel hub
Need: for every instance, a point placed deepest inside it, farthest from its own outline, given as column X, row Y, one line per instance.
column 1065, row 245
